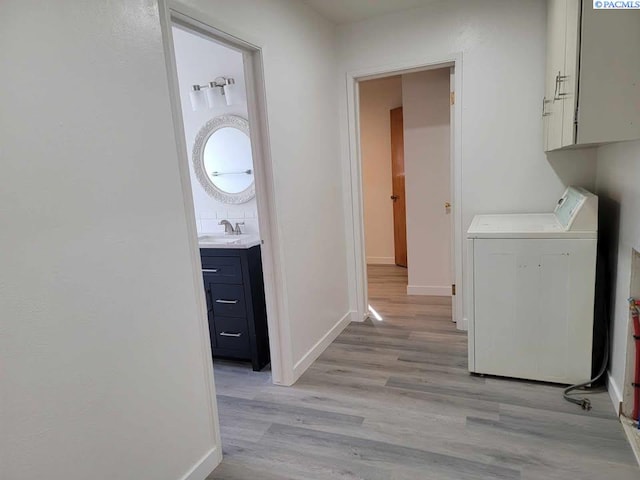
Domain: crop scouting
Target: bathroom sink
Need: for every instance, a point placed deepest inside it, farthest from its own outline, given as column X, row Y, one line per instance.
column 218, row 237
column 222, row 240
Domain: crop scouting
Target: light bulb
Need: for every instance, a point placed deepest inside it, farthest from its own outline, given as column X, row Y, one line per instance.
column 197, row 98
column 211, row 94
column 227, row 94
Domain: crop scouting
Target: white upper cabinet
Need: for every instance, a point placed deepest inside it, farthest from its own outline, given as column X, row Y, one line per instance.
column 592, row 82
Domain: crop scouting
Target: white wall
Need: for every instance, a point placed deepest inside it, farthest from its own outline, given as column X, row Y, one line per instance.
column 105, row 373
column 200, row 61
column 377, row 98
column 618, row 187
column 503, row 166
column 427, row 138
column 298, row 48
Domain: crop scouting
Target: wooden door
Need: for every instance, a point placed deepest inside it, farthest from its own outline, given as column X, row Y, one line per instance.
column 398, row 196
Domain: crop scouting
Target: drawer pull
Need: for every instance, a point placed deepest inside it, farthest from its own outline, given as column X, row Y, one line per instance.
column 225, row 334
column 210, row 270
column 227, row 302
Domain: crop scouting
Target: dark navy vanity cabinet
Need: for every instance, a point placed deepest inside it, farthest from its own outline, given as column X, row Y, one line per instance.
column 234, row 288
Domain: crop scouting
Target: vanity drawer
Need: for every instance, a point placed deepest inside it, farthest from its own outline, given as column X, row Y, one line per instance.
column 222, row 269
column 231, row 333
column 228, row 300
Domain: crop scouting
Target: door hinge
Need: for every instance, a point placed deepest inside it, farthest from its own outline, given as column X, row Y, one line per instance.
column 453, row 289
column 575, row 117
column 452, row 98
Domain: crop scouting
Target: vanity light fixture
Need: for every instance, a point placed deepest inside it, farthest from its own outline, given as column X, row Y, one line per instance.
column 221, row 84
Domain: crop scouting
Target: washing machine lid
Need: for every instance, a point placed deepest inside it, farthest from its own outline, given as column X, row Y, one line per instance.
column 528, row 225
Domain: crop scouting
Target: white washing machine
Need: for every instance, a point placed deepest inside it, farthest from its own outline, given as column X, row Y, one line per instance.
column 532, row 291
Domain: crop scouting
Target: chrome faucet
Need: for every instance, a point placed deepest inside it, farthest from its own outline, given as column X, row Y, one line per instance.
column 238, row 230
column 228, row 228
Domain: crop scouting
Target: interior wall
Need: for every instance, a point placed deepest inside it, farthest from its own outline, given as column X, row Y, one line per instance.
column 299, row 58
column 427, row 138
column 618, row 189
column 199, row 61
column 377, row 98
column 105, row 371
column 503, row 165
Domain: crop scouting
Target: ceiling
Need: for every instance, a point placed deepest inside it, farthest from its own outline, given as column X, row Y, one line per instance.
column 347, row 11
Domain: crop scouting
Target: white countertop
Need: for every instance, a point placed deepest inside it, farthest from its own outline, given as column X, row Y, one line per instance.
column 217, row 240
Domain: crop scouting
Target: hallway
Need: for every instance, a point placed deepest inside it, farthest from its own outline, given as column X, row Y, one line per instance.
column 392, row 399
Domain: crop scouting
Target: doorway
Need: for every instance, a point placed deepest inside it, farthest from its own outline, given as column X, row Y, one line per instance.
column 440, row 211
column 239, row 98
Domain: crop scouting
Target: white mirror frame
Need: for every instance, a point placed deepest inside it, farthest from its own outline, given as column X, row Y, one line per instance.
column 209, row 128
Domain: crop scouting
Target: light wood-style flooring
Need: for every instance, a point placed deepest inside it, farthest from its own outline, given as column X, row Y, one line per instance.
column 392, row 400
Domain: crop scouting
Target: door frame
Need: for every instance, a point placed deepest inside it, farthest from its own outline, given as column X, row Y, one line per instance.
column 354, row 198
column 171, row 12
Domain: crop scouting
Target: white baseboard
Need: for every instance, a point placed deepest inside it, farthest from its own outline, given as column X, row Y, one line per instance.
column 439, row 291
column 314, row 352
column 356, row 318
column 465, row 324
column 381, row 261
column 614, row 393
column 207, row 464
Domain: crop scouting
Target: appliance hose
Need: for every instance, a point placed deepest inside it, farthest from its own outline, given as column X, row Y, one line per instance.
column 584, row 402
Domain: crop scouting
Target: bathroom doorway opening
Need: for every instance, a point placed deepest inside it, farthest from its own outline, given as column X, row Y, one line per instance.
column 414, row 185
column 219, row 112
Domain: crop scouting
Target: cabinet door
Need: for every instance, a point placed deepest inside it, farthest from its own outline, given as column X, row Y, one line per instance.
column 556, row 27
column 609, row 73
column 568, row 82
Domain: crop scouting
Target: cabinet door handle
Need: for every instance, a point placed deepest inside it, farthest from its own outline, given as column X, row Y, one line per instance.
column 544, row 107
column 208, row 293
column 210, row 270
column 226, row 334
column 557, row 95
column 227, row 302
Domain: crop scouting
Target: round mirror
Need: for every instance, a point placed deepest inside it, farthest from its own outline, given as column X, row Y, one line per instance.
column 223, row 161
